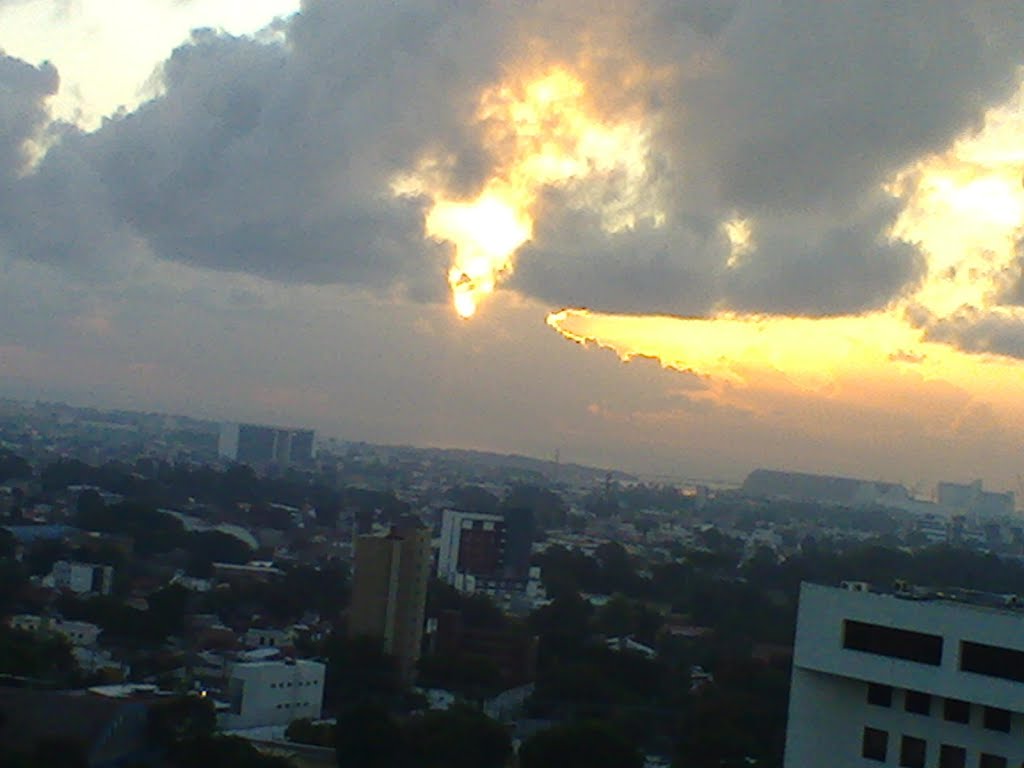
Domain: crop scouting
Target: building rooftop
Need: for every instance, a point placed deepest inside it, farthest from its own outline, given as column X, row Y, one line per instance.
column 1009, row 602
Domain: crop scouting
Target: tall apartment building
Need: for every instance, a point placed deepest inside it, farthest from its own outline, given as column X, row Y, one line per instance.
column 912, row 678
column 481, row 552
column 258, row 444
column 389, row 592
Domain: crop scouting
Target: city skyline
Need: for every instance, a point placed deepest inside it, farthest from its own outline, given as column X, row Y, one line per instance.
column 800, row 227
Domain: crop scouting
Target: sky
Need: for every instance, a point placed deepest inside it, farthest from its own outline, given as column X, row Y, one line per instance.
column 687, row 238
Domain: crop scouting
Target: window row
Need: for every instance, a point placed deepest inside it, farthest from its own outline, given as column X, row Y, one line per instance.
column 293, row 684
column 293, row 705
column 953, row 710
column 925, row 648
column 914, row 752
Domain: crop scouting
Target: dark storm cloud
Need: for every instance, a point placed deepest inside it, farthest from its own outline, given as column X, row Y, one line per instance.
column 276, row 159
column 847, row 269
column 273, row 159
column 1012, row 282
column 977, row 331
column 793, row 114
column 23, row 90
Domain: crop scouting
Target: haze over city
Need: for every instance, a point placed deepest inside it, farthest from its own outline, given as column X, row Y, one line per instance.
column 683, row 238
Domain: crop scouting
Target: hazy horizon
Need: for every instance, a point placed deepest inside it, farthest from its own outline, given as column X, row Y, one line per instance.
column 687, row 239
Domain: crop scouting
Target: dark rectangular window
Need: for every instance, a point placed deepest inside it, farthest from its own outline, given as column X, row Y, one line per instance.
column 917, row 702
column 912, row 752
column 896, row 643
column 952, row 757
column 956, row 711
column 875, row 744
column 880, row 695
column 991, row 761
column 997, row 719
column 992, row 660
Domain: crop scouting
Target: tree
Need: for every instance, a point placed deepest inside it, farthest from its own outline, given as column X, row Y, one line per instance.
column 366, row 736
column 13, row 580
column 359, row 672
column 208, row 547
column 580, row 745
column 567, row 617
column 223, row 752
column 64, row 472
column 474, row 677
column 549, row 508
column 305, row 731
column 460, row 737
column 45, row 657
column 181, row 718
column 8, row 544
column 90, row 507
column 13, row 467
column 473, row 498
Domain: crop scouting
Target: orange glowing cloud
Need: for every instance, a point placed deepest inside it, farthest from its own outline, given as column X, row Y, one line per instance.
column 545, row 131
column 965, row 210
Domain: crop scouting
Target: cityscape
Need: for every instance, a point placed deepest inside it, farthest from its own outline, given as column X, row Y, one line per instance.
column 487, row 384
column 183, row 591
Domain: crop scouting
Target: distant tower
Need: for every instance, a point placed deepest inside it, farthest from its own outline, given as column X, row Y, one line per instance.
column 389, row 593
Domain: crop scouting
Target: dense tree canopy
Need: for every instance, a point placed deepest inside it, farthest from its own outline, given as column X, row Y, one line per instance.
column 13, row 467
column 367, row 736
column 580, row 745
column 41, row 657
column 460, row 737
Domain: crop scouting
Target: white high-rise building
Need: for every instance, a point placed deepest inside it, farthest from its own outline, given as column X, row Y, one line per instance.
column 472, row 544
column 259, row 445
column 912, row 678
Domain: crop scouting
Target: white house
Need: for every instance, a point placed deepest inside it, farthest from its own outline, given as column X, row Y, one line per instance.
column 80, row 634
column 82, row 578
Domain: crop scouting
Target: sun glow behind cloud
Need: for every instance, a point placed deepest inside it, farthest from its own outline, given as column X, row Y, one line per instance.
column 545, row 132
column 965, row 209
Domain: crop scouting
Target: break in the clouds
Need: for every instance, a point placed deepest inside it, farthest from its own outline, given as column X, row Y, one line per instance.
column 276, row 156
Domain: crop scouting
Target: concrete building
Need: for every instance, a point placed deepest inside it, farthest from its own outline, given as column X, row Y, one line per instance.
column 972, row 500
column 262, row 693
column 481, row 552
column 78, row 633
column 82, row 578
column 912, row 678
column 825, row 489
column 389, row 592
column 268, row 637
column 104, row 732
column 259, row 445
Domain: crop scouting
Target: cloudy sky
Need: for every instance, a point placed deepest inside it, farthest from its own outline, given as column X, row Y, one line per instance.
column 691, row 239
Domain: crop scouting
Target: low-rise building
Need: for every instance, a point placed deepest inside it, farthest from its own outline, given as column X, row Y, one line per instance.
column 79, row 633
column 95, row 731
column 268, row 637
column 263, row 693
column 82, row 578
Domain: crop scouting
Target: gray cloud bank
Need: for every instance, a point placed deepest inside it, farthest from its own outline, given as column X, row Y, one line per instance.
column 275, row 158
